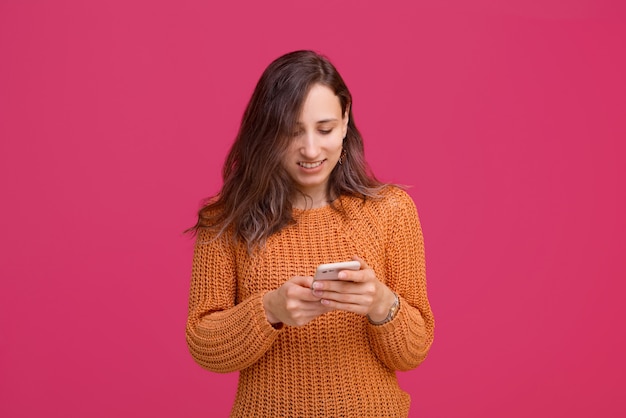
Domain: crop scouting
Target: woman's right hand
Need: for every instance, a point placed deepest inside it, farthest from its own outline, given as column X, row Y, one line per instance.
column 293, row 303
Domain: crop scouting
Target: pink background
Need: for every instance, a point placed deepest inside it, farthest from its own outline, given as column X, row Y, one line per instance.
column 508, row 118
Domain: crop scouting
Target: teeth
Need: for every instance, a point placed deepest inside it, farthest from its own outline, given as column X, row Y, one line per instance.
column 309, row 165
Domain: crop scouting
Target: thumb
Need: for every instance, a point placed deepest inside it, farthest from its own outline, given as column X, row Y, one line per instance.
column 304, row 281
column 364, row 265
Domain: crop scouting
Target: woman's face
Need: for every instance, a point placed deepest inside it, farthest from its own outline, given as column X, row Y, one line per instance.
column 317, row 143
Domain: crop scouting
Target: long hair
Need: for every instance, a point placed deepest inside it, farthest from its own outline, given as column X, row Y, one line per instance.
column 256, row 199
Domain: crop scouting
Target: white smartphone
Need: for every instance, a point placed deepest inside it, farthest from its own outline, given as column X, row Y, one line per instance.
column 330, row 271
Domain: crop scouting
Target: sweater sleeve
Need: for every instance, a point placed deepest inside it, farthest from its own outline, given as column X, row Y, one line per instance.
column 223, row 336
column 404, row 342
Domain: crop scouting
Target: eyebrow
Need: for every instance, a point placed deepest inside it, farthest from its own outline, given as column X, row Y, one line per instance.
column 322, row 121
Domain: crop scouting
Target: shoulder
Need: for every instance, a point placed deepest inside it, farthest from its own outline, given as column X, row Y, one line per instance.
column 213, row 235
column 394, row 196
column 390, row 201
column 392, row 204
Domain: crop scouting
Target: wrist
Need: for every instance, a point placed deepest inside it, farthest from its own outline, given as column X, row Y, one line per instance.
column 267, row 303
column 389, row 309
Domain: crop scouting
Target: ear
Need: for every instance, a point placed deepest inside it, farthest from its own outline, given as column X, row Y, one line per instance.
column 345, row 120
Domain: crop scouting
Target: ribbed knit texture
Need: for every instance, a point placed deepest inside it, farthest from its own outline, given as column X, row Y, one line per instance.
column 338, row 365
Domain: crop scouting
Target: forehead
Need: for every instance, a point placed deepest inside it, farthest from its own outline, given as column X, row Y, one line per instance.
column 320, row 104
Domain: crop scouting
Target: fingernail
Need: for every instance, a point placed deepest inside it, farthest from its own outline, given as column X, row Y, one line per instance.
column 317, row 292
column 316, row 285
column 342, row 275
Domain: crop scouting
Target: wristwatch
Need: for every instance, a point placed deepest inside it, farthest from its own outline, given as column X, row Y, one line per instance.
column 392, row 312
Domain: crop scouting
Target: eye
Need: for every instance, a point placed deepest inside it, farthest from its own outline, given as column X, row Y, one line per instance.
column 325, row 131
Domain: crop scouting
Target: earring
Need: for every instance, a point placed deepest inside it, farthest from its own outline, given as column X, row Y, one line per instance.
column 341, row 157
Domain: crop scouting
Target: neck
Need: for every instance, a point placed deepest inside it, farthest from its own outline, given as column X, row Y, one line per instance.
column 310, row 201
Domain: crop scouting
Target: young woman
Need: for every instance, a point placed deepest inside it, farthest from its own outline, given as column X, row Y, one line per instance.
column 297, row 193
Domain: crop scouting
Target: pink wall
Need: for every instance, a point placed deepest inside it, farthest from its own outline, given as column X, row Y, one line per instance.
column 507, row 117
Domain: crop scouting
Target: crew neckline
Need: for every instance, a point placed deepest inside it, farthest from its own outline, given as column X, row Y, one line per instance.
column 310, row 210
column 327, row 206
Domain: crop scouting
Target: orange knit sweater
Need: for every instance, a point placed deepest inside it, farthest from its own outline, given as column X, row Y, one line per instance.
column 338, row 365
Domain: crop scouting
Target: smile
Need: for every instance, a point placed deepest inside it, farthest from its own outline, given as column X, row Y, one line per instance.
column 310, row 165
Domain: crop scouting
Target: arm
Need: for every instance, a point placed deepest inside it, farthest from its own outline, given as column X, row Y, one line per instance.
column 223, row 337
column 404, row 342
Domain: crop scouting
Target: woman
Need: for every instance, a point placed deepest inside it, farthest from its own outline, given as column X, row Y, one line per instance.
column 297, row 193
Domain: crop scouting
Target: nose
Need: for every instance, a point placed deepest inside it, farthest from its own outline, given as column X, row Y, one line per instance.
column 309, row 147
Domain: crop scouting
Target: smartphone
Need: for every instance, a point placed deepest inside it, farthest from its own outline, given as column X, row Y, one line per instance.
column 330, row 271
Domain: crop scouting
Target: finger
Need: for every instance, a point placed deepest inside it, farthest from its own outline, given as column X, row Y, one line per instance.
column 309, row 295
column 364, row 265
column 349, row 298
column 355, row 276
column 314, row 307
column 304, row 281
column 343, row 306
column 302, row 289
column 323, row 287
column 349, row 292
column 359, row 276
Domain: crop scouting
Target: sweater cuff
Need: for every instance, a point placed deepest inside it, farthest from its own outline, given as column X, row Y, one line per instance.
column 401, row 344
column 261, row 324
column 401, row 323
column 233, row 339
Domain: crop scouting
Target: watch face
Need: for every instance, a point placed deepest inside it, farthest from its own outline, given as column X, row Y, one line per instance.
column 392, row 312
column 394, row 308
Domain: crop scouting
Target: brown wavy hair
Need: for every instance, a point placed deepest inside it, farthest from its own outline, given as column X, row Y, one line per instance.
column 256, row 199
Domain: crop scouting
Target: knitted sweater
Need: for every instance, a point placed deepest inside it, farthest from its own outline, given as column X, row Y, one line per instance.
column 338, row 365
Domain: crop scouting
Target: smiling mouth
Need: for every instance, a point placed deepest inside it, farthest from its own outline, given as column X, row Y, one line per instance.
column 310, row 165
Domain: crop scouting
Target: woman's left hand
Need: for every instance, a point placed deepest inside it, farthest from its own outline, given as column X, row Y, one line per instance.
column 356, row 291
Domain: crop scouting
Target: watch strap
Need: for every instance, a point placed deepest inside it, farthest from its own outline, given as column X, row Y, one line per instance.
column 392, row 312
